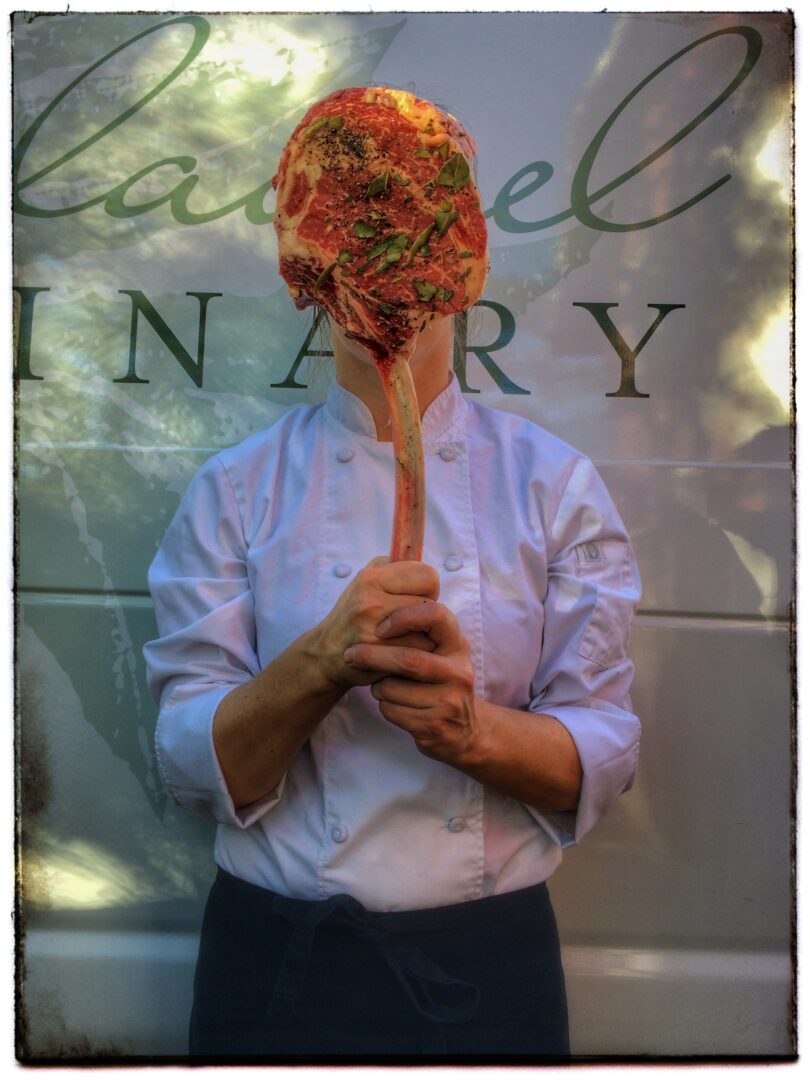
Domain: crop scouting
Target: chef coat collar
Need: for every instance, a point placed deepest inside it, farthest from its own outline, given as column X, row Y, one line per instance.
column 443, row 414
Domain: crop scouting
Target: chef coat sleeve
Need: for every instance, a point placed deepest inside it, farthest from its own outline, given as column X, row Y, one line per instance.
column 206, row 645
column 584, row 674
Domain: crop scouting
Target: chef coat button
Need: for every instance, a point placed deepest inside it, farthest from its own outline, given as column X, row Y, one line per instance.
column 339, row 834
column 342, row 569
column 345, row 453
column 447, row 453
column 456, row 824
column 453, row 562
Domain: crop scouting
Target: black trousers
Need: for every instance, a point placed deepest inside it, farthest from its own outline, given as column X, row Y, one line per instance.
column 281, row 979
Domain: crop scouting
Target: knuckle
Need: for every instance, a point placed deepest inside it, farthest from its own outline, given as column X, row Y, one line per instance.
column 412, row 661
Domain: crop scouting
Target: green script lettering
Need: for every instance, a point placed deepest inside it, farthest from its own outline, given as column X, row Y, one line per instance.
column 627, row 387
column 253, row 202
column 581, row 201
column 201, row 31
column 142, row 306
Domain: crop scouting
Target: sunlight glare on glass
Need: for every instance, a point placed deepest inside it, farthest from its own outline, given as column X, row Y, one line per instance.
column 772, row 161
column 770, row 353
column 283, row 56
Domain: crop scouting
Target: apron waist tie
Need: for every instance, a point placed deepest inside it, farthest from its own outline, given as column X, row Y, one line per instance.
column 432, row 991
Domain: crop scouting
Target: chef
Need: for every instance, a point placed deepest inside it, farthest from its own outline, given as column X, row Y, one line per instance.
column 396, row 752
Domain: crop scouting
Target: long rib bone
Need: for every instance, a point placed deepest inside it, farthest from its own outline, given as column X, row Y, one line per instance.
column 407, row 536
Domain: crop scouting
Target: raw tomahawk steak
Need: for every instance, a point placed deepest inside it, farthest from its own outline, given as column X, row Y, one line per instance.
column 378, row 216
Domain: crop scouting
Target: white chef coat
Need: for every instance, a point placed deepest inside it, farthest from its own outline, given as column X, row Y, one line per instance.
column 533, row 561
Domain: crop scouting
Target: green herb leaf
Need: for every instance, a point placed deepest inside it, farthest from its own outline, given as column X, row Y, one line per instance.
column 323, row 276
column 420, row 242
column 465, row 254
column 423, row 152
column 446, row 205
column 444, row 219
column 455, row 172
column 363, row 230
column 443, row 150
column 344, row 256
column 397, row 245
column 425, row 290
column 377, row 185
column 379, row 248
column 316, row 125
column 444, row 294
column 466, row 273
column 333, row 122
column 400, row 179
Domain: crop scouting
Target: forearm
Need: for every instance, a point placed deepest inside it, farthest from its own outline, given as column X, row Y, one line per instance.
column 261, row 725
column 528, row 756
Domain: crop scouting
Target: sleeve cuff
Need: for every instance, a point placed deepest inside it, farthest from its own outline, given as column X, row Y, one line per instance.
column 607, row 741
column 188, row 763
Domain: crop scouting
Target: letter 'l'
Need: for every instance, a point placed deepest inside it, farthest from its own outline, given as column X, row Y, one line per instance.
column 627, row 387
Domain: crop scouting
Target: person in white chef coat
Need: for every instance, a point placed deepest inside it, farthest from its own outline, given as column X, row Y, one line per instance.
column 396, row 754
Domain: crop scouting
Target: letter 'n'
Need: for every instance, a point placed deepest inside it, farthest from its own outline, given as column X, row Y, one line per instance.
column 142, row 306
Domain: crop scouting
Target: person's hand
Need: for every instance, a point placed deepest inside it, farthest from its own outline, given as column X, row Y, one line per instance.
column 431, row 695
column 377, row 592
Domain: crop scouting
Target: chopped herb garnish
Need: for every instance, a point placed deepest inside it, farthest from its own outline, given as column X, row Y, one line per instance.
column 316, row 125
column 323, row 276
column 334, row 123
column 344, row 256
column 386, row 309
column 425, row 290
column 455, row 172
column 377, row 185
column 363, row 230
column 444, row 219
column 422, row 152
column 443, row 149
column 466, row 273
column 420, row 242
column 391, row 248
column 400, row 179
column 446, row 205
column 465, row 254
column 443, row 294
column 394, row 253
column 379, row 248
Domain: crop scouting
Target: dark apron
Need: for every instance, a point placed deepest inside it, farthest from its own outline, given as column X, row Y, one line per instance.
column 281, row 979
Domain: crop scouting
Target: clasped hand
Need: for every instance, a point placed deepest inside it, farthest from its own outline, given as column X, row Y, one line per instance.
column 388, row 631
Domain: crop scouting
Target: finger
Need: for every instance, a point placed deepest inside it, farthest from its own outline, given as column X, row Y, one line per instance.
column 414, row 695
column 390, row 660
column 409, row 577
column 435, row 620
column 413, row 641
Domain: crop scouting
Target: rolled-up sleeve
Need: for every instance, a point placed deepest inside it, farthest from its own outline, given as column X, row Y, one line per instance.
column 206, row 646
column 584, row 675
